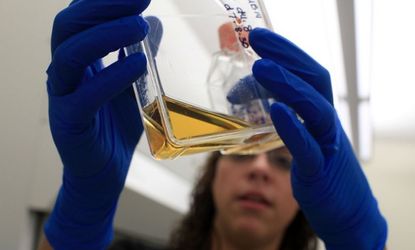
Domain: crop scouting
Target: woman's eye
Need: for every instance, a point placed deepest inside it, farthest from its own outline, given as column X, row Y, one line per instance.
column 281, row 161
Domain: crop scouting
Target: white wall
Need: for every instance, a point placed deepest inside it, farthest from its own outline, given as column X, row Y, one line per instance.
column 24, row 53
column 391, row 174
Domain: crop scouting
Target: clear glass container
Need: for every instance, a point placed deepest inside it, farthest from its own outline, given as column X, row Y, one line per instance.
column 198, row 93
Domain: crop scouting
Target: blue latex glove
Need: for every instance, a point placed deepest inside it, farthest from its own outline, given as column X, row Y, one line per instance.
column 93, row 116
column 327, row 179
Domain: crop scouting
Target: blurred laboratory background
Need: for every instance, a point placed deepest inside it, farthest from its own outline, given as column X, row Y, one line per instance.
column 367, row 45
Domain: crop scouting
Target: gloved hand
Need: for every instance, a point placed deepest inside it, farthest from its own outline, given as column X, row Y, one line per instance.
column 93, row 116
column 327, row 179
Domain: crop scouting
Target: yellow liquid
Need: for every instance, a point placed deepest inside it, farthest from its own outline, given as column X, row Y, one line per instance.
column 188, row 122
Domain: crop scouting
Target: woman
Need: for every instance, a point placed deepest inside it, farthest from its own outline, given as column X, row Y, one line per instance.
column 257, row 211
column 95, row 127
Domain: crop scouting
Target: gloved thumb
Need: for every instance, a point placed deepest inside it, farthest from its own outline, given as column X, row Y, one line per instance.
column 106, row 85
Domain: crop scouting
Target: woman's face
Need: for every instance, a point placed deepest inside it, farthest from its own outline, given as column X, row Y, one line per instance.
column 253, row 195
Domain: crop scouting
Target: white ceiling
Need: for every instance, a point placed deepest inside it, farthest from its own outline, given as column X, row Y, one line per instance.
column 393, row 84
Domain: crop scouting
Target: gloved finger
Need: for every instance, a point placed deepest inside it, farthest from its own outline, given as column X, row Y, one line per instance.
column 73, row 2
column 318, row 114
column 126, row 110
column 105, row 86
column 82, row 15
column 302, row 146
column 155, row 34
column 75, row 54
column 272, row 46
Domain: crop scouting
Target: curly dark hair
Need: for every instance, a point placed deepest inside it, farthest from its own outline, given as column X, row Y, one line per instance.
column 194, row 231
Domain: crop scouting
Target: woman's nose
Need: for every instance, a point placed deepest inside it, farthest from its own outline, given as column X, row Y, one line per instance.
column 260, row 169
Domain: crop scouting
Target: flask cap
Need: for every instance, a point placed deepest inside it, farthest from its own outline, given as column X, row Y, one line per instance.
column 227, row 38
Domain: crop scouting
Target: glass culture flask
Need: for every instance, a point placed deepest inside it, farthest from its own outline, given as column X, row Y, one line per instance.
column 199, row 94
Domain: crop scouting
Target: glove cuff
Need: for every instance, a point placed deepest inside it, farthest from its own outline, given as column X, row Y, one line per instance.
column 70, row 227
column 84, row 211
